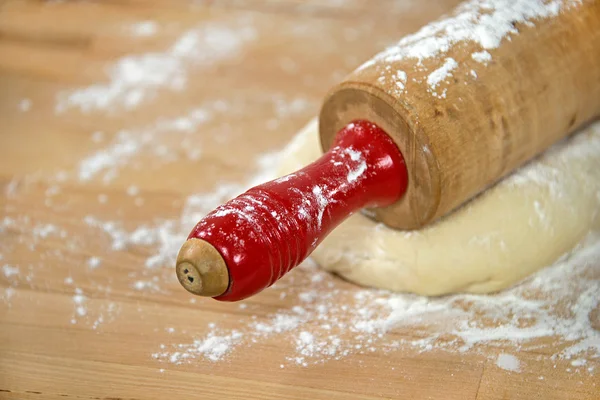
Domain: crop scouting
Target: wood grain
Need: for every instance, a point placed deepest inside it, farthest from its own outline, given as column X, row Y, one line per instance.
column 272, row 85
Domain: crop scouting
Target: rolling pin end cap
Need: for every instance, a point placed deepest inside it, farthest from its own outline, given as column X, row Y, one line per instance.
column 201, row 269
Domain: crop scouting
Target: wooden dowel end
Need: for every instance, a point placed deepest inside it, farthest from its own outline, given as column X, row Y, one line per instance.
column 201, row 269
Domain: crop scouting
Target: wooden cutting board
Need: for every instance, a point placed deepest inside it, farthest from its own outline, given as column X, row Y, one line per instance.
column 89, row 150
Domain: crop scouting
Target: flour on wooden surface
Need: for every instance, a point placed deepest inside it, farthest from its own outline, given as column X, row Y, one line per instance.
column 319, row 318
column 168, row 140
column 129, row 143
column 213, row 347
column 322, row 319
column 135, row 79
column 329, row 324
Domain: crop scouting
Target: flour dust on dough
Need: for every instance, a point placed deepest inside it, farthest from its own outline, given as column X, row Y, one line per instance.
column 526, row 222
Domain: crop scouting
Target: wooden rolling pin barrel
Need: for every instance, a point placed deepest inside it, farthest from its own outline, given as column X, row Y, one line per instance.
column 411, row 136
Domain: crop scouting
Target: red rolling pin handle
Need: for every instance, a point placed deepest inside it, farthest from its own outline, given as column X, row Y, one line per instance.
column 271, row 228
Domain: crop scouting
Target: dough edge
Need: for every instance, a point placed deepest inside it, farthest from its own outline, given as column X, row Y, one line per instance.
column 526, row 222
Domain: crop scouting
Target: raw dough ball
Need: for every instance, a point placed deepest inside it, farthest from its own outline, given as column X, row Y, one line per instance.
column 522, row 224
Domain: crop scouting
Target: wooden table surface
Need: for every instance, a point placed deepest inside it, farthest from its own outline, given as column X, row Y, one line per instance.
column 90, row 152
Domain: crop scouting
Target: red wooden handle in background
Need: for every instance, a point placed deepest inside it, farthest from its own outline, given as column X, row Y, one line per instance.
column 268, row 230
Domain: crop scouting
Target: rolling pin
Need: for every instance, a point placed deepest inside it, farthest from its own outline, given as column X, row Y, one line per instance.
column 412, row 134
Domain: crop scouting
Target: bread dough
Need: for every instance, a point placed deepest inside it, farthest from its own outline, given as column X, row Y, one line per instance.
column 522, row 224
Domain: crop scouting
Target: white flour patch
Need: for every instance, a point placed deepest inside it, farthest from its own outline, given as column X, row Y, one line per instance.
column 94, row 262
column 360, row 169
column 508, row 362
column 401, row 79
column 9, row 270
column 482, row 57
column 322, row 202
column 440, row 75
column 213, row 347
column 580, row 362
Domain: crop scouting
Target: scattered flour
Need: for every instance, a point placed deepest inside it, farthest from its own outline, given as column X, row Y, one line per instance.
column 148, row 285
column 44, row 230
column 336, row 323
column 92, row 317
column 135, row 79
column 129, row 143
column 79, row 300
column 166, row 140
column 213, row 347
column 10, row 270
